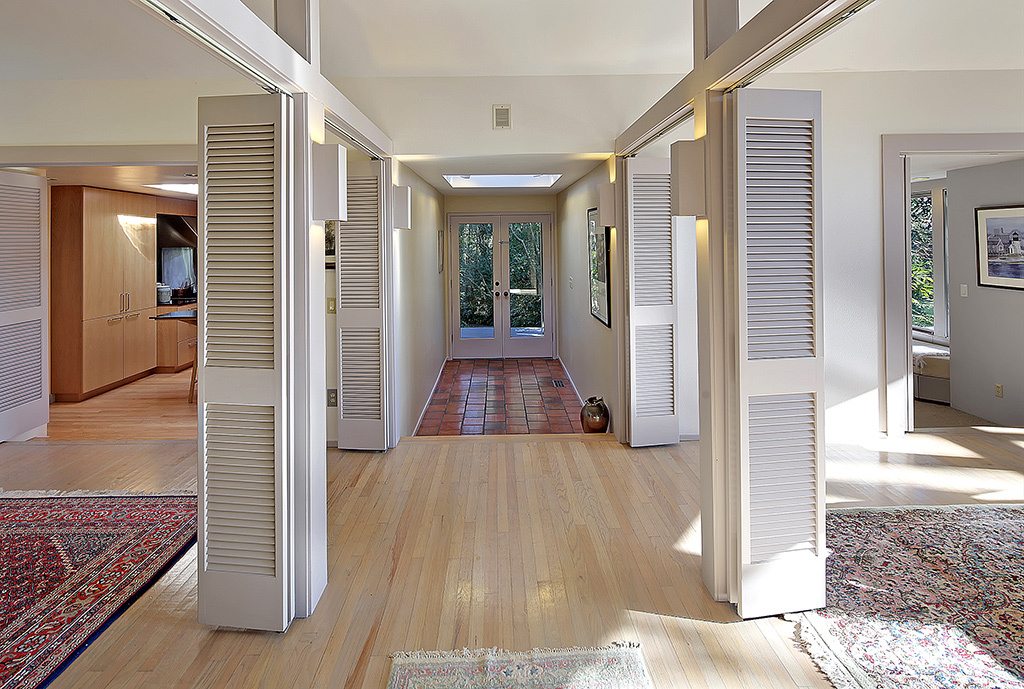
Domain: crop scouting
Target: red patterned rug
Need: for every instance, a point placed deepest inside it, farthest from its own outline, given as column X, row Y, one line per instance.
column 70, row 565
column 923, row 598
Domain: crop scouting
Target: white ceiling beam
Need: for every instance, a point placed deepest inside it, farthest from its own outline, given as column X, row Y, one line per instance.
column 714, row 21
column 298, row 23
column 777, row 29
column 256, row 49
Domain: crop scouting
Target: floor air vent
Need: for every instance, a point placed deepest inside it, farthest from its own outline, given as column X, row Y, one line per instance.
column 558, row 383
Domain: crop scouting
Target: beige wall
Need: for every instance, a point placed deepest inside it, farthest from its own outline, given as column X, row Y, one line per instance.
column 857, row 108
column 520, row 203
column 585, row 345
column 420, row 334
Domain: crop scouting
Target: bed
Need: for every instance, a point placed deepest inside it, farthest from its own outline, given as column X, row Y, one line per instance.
column 931, row 372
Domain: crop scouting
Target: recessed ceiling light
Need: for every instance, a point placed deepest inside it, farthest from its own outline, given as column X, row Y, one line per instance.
column 179, row 188
column 501, row 181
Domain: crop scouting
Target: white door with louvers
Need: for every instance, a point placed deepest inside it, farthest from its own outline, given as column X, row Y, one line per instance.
column 781, row 546
column 360, row 255
column 653, row 310
column 24, row 283
column 244, row 529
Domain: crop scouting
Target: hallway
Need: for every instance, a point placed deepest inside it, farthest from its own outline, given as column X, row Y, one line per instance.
column 499, row 396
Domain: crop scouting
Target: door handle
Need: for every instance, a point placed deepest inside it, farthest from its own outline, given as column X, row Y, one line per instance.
column 131, row 315
column 127, row 301
column 114, row 320
column 121, row 310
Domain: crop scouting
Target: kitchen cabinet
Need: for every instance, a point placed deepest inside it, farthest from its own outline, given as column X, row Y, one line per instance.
column 175, row 341
column 103, row 287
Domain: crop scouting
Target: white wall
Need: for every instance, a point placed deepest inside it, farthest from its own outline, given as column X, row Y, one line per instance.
column 99, row 111
column 586, row 346
column 986, row 328
column 857, row 109
column 419, row 301
column 419, row 308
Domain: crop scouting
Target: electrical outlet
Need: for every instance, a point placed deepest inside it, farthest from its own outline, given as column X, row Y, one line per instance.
column 963, row 290
column 570, row 282
column 332, row 397
column 999, row 389
column 332, row 305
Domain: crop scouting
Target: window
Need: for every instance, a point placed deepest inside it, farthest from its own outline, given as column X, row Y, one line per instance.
column 929, row 303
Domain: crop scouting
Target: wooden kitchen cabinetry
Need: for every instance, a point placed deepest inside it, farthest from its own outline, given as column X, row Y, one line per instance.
column 103, row 288
column 175, row 341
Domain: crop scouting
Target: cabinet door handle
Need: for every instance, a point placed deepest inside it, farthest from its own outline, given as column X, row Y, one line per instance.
column 115, row 320
column 128, row 301
column 121, row 310
column 130, row 316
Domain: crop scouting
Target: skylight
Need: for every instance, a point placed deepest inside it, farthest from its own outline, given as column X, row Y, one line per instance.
column 501, row 181
column 179, row 188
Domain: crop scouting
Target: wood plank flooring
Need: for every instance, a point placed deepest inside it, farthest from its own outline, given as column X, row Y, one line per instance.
column 152, row 408
column 510, row 541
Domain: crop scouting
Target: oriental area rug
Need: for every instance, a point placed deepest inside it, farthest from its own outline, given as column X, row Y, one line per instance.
column 922, row 598
column 619, row 666
column 70, row 565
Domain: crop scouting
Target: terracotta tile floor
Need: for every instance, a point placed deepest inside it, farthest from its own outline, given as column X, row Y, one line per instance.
column 499, row 396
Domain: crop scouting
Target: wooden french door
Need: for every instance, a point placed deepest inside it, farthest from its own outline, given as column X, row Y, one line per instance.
column 502, row 285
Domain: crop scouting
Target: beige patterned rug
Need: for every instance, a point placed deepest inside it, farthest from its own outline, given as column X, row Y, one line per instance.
column 619, row 666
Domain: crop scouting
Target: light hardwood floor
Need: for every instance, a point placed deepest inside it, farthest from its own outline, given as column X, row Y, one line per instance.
column 502, row 541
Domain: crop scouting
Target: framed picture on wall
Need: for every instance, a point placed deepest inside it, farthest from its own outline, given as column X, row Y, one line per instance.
column 598, row 247
column 1000, row 243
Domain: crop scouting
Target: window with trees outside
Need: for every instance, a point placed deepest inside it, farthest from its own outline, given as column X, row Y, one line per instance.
column 929, row 304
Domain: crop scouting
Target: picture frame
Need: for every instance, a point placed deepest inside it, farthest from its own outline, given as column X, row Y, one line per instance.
column 999, row 235
column 599, row 258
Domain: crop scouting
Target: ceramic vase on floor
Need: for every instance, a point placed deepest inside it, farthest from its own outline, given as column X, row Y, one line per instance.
column 594, row 415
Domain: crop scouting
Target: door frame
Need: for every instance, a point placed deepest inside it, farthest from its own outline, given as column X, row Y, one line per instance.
column 451, row 293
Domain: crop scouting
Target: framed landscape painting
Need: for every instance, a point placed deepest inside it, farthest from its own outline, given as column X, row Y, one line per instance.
column 598, row 245
column 1000, row 234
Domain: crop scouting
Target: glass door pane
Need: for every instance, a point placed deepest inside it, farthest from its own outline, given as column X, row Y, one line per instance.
column 526, row 279
column 476, row 275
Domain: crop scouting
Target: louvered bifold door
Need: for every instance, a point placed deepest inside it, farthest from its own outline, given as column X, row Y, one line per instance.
column 24, row 285
column 360, row 272
column 244, row 575
column 653, row 311
column 781, row 558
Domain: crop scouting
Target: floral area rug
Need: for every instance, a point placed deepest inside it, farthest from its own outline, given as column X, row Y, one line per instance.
column 70, row 565
column 922, row 599
column 619, row 666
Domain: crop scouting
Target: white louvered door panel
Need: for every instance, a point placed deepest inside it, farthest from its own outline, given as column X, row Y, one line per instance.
column 653, row 311
column 780, row 563
column 24, row 283
column 244, row 523
column 361, row 332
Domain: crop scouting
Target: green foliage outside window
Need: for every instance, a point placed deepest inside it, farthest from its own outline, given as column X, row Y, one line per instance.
column 922, row 280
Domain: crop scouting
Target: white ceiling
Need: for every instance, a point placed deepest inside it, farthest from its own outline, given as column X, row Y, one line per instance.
column 96, row 39
column 571, row 167
column 456, row 38
column 576, row 72
column 911, row 35
column 125, row 177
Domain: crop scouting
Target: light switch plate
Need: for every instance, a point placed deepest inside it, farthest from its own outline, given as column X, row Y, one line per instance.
column 332, row 305
column 570, row 282
column 963, row 290
column 999, row 389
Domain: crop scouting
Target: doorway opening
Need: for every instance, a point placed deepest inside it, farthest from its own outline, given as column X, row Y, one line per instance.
column 501, row 301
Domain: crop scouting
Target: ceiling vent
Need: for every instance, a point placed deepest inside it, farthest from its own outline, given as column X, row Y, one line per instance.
column 501, row 116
